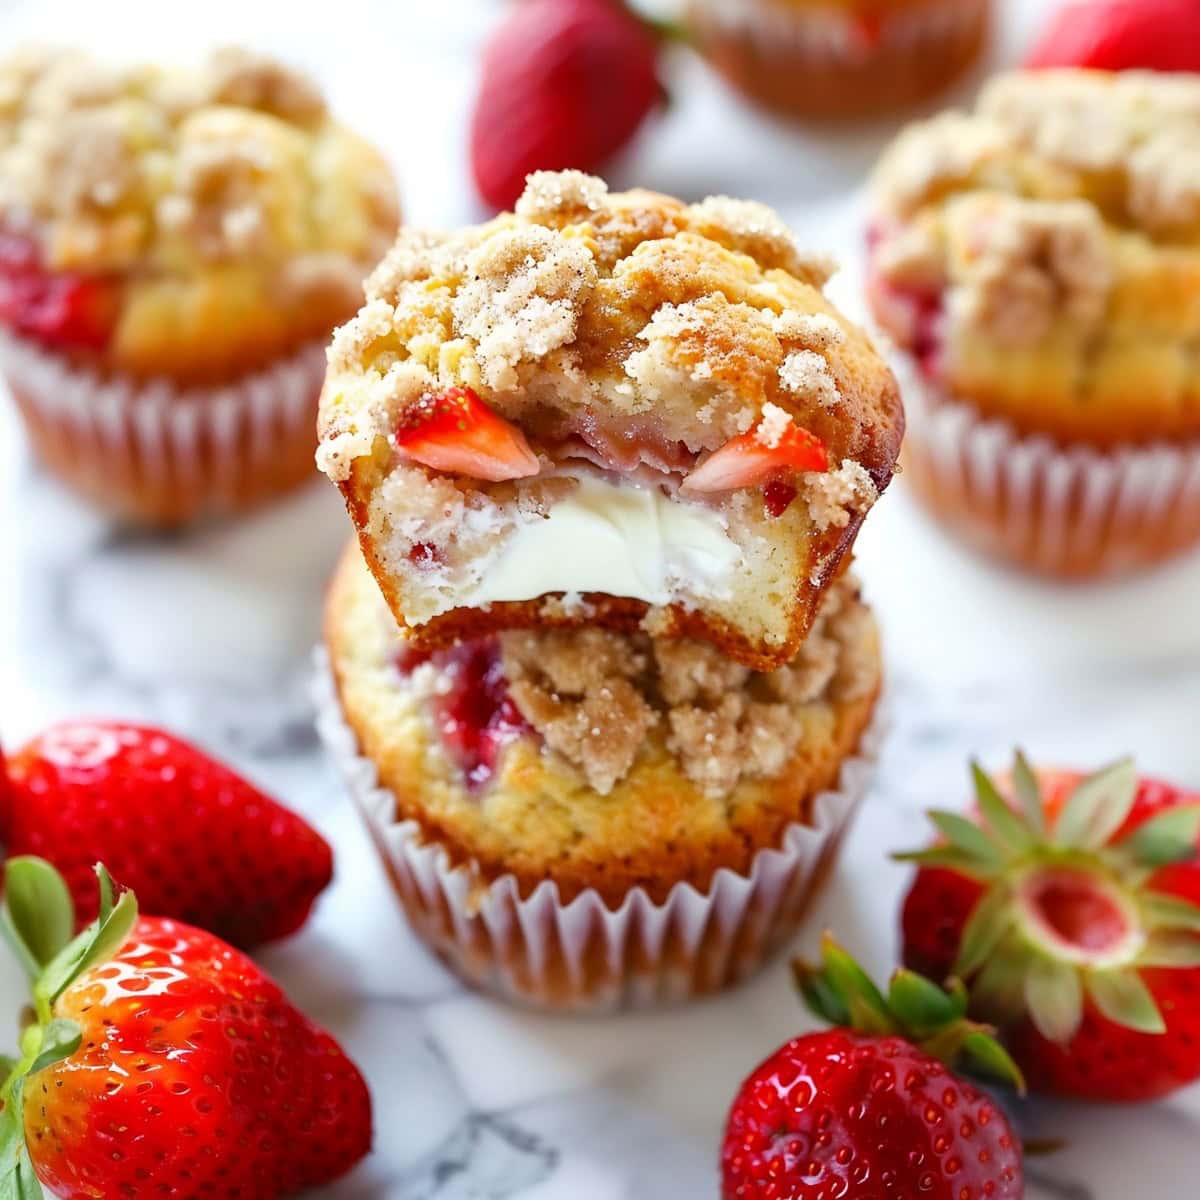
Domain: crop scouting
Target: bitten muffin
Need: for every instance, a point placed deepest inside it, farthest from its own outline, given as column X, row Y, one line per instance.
column 177, row 241
column 839, row 58
column 609, row 409
column 606, row 763
column 1038, row 261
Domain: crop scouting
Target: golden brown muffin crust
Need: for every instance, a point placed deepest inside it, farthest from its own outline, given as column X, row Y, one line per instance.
column 723, row 760
column 1059, row 226
column 229, row 212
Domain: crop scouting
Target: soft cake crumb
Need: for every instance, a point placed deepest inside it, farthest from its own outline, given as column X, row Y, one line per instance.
column 833, row 496
column 806, row 373
column 550, row 193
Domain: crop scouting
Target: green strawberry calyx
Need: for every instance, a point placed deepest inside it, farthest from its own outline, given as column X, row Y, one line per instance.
column 933, row 1018
column 1068, row 915
column 37, row 919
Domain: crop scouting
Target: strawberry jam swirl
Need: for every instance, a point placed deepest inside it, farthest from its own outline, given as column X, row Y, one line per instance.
column 59, row 309
column 472, row 710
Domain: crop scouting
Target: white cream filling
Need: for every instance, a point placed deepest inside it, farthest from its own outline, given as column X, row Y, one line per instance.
column 621, row 540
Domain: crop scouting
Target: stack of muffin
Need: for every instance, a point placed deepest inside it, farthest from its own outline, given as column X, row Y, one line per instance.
column 600, row 680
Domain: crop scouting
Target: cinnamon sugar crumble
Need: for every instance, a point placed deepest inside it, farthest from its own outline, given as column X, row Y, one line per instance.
column 806, row 373
column 550, row 193
column 521, row 299
column 773, row 426
column 834, row 496
column 594, row 694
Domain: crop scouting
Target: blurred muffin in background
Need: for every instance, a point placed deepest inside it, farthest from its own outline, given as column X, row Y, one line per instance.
column 586, row 819
column 839, row 58
column 175, row 248
column 1038, row 263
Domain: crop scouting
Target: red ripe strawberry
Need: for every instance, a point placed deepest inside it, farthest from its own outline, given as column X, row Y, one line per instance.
column 870, row 1109
column 1119, row 35
column 759, row 456
column 60, row 310
column 163, row 1063
column 196, row 841
column 455, row 431
column 1074, row 919
column 566, row 83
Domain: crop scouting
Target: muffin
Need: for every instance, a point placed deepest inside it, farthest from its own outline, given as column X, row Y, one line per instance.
column 586, row 818
column 175, row 249
column 1037, row 261
column 839, row 58
column 608, row 409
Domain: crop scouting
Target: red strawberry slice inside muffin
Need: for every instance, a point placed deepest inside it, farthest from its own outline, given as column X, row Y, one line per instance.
column 617, row 409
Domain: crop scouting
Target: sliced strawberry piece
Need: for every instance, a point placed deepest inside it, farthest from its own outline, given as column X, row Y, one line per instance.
column 455, row 431
column 755, row 457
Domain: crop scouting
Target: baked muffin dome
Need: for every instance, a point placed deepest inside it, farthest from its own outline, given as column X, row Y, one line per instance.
column 219, row 217
column 1040, row 256
column 527, row 419
column 597, row 759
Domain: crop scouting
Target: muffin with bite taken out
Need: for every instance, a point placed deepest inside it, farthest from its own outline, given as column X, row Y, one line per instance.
column 608, row 409
column 175, row 248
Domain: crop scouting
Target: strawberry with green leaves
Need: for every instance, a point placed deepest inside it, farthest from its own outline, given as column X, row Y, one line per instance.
column 160, row 1062
column 1071, row 910
column 872, row 1108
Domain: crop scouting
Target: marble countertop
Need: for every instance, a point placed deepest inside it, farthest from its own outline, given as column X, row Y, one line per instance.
column 210, row 633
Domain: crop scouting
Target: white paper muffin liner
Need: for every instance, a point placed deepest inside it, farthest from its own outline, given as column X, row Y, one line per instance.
column 825, row 35
column 1072, row 511
column 582, row 956
column 157, row 453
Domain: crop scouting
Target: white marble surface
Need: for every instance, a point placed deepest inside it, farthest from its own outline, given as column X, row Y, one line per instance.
column 210, row 633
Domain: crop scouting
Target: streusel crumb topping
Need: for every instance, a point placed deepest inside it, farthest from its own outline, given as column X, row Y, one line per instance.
column 113, row 168
column 1042, row 253
column 593, row 694
column 606, row 306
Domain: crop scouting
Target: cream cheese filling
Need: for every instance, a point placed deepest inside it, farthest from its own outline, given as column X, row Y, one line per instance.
column 621, row 540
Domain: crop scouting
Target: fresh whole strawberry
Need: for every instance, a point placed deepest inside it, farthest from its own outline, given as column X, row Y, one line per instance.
column 195, row 840
column 871, row 1109
column 1120, row 35
column 162, row 1063
column 61, row 310
column 565, row 83
column 1072, row 914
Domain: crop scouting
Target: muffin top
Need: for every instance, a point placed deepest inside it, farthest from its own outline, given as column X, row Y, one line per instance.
column 603, row 315
column 194, row 223
column 595, row 758
column 1041, row 255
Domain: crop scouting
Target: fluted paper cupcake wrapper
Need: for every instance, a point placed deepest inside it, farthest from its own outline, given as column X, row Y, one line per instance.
column 160, row 454
column 581, row 955
column 1072, row 511
column 778, row 29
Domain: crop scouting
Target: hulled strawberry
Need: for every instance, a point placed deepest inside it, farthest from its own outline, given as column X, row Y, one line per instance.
column 565, row 83
column 161, row 1062
column 455, row 431
column 872, row 1109
column 1121, row 35
column 1071, row 909
column 195, row 840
